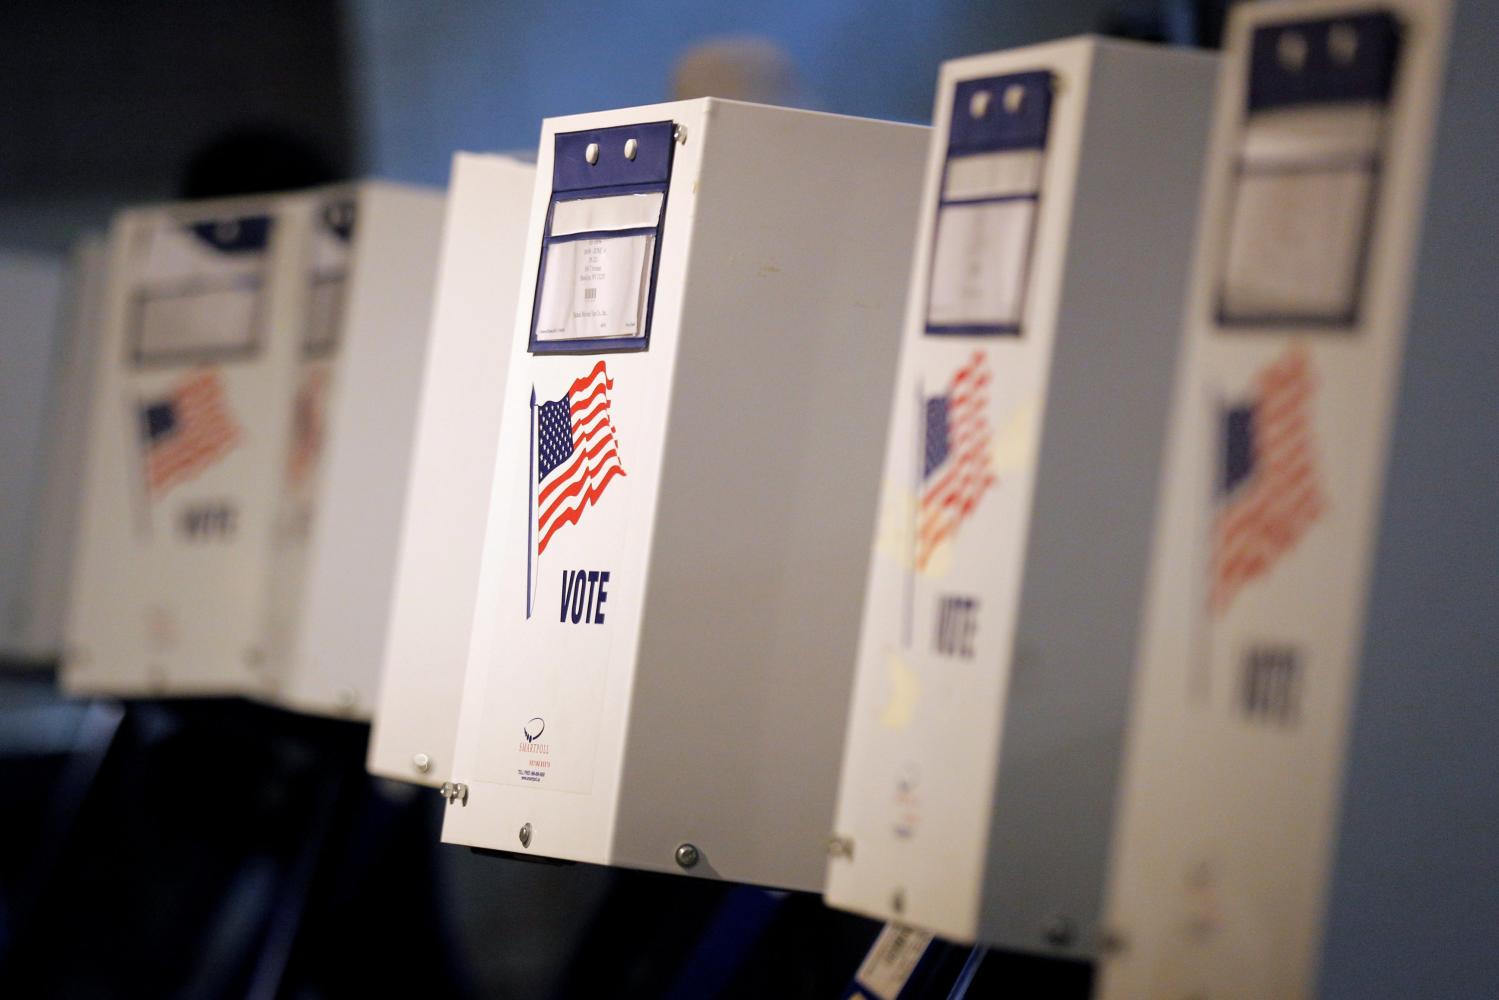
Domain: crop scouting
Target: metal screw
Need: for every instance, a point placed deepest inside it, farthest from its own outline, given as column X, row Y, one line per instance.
column 1059, row 931
column 421, row 762
column 591, row 154
column 455, row 791
column 1014, row 97
column 978, row 104
column 679, row 133
column 1342, row 43
column 525, row 835
column 687, row 855
column 631, row 148
column 1290, row 49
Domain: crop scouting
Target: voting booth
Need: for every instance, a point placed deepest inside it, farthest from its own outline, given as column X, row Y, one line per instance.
column 248, row 446
column 190, row 409
column 454, row 438
column 1318, row 524
column 42, row 598
column 365, row 277
column 1019, row 487
column 684, row 489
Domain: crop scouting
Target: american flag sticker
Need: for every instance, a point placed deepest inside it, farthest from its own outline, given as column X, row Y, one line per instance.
column 575, row 454
column 956, row 464
column 1269, row 490
column 186, row 431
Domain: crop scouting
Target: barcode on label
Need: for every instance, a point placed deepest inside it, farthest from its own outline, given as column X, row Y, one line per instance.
column 1270, row 690
column 589, row 294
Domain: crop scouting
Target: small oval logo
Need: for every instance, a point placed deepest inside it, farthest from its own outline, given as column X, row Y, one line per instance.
column 533, row 728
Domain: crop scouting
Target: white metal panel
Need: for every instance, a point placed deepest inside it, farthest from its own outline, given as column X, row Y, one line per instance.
column 457, row 426
column 31, row 287
column 41, row 605
column 347, row 458
column 1229, row 804
column 783, row 245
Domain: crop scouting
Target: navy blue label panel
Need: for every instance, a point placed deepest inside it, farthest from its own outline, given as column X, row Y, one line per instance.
column 612, row 173
column 1324, row 61
column 654, row 143
column 242, row 234
column 1015, row 115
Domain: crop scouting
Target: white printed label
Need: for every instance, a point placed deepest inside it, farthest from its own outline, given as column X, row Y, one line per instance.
column 979, row 265
column 595, row 288
column 1295, row 244
column 210, row 319
column 891, row 960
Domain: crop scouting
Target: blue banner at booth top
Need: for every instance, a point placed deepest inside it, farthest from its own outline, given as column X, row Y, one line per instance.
column 1325, row 61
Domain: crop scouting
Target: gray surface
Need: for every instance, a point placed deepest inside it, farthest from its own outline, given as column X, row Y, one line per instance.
column 1415, row 898
column 30, row 287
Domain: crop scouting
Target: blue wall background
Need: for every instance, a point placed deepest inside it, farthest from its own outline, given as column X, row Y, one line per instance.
column 434, row 77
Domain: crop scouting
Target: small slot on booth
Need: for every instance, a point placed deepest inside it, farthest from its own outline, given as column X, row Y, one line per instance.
column 198, row 294
column 986, row 215
column 1306, row 176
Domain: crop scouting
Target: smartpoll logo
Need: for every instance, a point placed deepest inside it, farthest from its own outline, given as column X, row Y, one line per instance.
column 536, row 765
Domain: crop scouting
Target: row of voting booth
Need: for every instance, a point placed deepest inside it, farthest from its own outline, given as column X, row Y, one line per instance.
column 972, row 524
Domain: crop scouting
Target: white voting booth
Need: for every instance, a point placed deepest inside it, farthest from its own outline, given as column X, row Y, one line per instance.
column 457, row 428
column 366, row 279
column 986, row 723
column 42, row 597
column 1302, row 406
column 190, row 408
column 683, row 494
column 248, row 445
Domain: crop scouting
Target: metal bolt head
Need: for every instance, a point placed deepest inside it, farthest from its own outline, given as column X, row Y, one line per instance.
column 1014, row 97
column 1059, row 931
column 679, row 133
column 591, row 154
column 421, row 762
column 631, row 148
column 1290, row 49
column 687, row 855
column 1342, row 43
column 525, row 835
